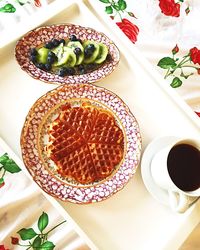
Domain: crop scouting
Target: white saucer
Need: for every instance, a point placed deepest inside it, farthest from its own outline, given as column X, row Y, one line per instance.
column 158, row 193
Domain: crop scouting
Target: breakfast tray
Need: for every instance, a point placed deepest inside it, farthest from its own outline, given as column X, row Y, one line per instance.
column 132, row 218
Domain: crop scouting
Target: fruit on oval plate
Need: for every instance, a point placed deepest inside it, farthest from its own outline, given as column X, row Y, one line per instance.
column 81, row 143
column 66, row 53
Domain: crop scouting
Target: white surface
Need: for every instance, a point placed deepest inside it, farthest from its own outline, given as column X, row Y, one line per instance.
column 132, row 218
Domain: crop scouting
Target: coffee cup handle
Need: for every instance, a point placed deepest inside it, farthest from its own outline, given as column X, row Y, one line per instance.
column 178, row 202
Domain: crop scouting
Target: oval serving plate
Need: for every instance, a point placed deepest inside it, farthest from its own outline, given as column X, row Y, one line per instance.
column 41, row 35
column 34, row 134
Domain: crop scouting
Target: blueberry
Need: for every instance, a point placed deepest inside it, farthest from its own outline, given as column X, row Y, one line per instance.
column 33, row 52
column 49, row 45
column 91, row 47
column 62, row 41
column 51, row 54
column 70, row 71
column 73, row 38
column 77, row 51
column 109, row 57
column 90, row 66
column 62, row 72
column 87, row 52
column 55, row 42
column 40, row 66
column 81, row 69
column 51, row 58
column 33, row 58
column 66, row 71
column 48, row 66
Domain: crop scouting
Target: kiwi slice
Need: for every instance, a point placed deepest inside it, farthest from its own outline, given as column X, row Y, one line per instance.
column 93, row 54
column 58, row 51
column 103, row 52
column 80, row 55
column 71, row 61
column 65, row 56
column 42, row 55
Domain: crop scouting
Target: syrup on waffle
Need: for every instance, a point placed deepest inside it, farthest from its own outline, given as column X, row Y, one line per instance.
column 85, row 143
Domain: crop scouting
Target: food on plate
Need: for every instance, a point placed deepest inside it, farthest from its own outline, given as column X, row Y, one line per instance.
column 67, row 54
column 80, row 143
column 70, row 56
column 85, row 143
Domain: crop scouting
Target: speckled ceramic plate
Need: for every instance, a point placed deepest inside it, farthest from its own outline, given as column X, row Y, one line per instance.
column 33, row 136
column 44, row 34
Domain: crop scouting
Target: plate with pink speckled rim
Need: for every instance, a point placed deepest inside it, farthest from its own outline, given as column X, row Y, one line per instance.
column 39, row 36
column 33, row 137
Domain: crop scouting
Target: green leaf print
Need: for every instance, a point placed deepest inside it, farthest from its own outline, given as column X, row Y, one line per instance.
column 43, row 222
column 8, row 8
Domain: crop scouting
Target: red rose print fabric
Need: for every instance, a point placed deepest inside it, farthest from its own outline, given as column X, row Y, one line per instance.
column 169, row 8
column 37, row 3
column 14, row 240
column 198, row 113
column 118, row 11
column 3, row 248
column 129, row 29
column 195, row 55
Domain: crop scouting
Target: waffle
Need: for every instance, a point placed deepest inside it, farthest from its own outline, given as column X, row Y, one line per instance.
column 85, row 143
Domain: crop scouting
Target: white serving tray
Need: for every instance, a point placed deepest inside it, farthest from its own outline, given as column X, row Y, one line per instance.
column 132, row 218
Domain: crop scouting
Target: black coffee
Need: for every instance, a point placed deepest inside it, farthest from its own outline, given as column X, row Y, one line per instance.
column 183, row 165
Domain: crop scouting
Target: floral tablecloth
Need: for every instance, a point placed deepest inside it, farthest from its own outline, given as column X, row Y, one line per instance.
column 168, row 34
column 27, row 219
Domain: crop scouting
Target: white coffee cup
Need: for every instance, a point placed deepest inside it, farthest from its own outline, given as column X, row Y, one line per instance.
column 176, row 168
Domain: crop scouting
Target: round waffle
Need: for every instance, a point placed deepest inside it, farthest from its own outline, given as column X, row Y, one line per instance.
column 81, row 143
column 85, row 143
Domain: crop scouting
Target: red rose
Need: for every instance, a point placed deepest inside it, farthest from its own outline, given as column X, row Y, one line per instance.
column 1, row 185
column 14, row 240
column 175, row 50
column 3, row 248
column 198, row 113
column 37, row 3
column 129, row 29
column 195, row 55
column 187, row 10
column 170, row 8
